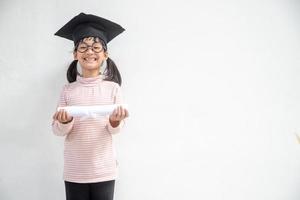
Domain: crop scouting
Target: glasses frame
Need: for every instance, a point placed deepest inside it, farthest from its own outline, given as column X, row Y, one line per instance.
column 89, row 46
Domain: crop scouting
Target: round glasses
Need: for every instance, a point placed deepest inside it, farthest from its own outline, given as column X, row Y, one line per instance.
column 83, row 47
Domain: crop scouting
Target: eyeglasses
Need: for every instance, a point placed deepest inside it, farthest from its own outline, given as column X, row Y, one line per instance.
column 96, row 47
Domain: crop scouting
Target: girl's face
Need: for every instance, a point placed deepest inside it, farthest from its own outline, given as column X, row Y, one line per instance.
column 90, row 54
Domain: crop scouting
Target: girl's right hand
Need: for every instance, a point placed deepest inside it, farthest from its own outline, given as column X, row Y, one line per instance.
column 62, row 116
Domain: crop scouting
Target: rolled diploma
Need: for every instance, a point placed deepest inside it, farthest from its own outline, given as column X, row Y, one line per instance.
column 79, row 111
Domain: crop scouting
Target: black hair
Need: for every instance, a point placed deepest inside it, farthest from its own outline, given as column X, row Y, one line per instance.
column 111, row 72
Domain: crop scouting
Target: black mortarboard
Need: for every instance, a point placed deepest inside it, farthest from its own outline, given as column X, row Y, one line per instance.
column 87, row 25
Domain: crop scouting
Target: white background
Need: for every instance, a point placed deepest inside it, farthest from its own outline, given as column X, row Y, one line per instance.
column 213, row 89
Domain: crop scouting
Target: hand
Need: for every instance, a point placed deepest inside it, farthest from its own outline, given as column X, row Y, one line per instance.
column 62, row 116
column 118, row 114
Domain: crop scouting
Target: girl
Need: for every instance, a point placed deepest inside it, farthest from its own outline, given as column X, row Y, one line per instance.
column 90, row 166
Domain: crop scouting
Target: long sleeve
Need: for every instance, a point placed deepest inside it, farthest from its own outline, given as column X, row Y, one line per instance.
column 118, row 99
column 58, row 128
column 89, row 152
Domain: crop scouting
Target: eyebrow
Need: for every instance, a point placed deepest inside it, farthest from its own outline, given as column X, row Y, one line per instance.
column 82, row 42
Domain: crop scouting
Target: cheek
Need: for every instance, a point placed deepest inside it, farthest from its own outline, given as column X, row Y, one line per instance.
column 101, row 58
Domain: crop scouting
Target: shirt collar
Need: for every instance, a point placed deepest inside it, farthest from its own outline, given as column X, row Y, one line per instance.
column 90, row 81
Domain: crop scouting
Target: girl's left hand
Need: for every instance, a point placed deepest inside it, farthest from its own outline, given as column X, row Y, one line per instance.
column 118, row 114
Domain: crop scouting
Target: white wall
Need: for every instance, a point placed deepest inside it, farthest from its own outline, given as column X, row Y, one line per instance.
column 213, row 89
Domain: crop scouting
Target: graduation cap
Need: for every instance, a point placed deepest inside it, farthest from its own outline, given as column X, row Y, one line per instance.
column 87, row 25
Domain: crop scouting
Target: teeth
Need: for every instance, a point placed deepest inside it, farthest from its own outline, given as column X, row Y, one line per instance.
column 90, row 59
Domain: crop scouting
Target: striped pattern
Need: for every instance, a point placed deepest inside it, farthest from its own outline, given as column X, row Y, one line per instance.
column 89, row 153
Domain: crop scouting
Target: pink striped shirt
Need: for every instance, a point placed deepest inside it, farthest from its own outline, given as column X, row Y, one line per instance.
column 89, row 154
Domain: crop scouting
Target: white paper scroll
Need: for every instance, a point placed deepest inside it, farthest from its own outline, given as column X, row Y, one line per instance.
column 91, row 111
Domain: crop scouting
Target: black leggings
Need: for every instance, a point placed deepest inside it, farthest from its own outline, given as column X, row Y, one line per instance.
column 90, row 191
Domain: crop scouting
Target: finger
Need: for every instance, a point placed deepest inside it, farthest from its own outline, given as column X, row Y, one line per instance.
column 60, row 115
column 126, row 113
column 64, row 116
column 116, row 111
column 123, row 113
column 119, row 112
column 115, row 114
column 57, row 115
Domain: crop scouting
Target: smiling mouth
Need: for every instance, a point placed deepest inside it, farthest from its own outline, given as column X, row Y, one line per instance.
column 90, row 59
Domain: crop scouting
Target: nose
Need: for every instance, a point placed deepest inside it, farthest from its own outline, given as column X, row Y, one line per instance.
column 89, row 50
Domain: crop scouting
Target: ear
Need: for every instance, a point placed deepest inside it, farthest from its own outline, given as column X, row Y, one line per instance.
column 75, row 55
column 106, row 55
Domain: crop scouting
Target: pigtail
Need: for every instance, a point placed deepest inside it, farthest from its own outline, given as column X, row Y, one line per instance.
column 72, row 71
column 112, row 73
